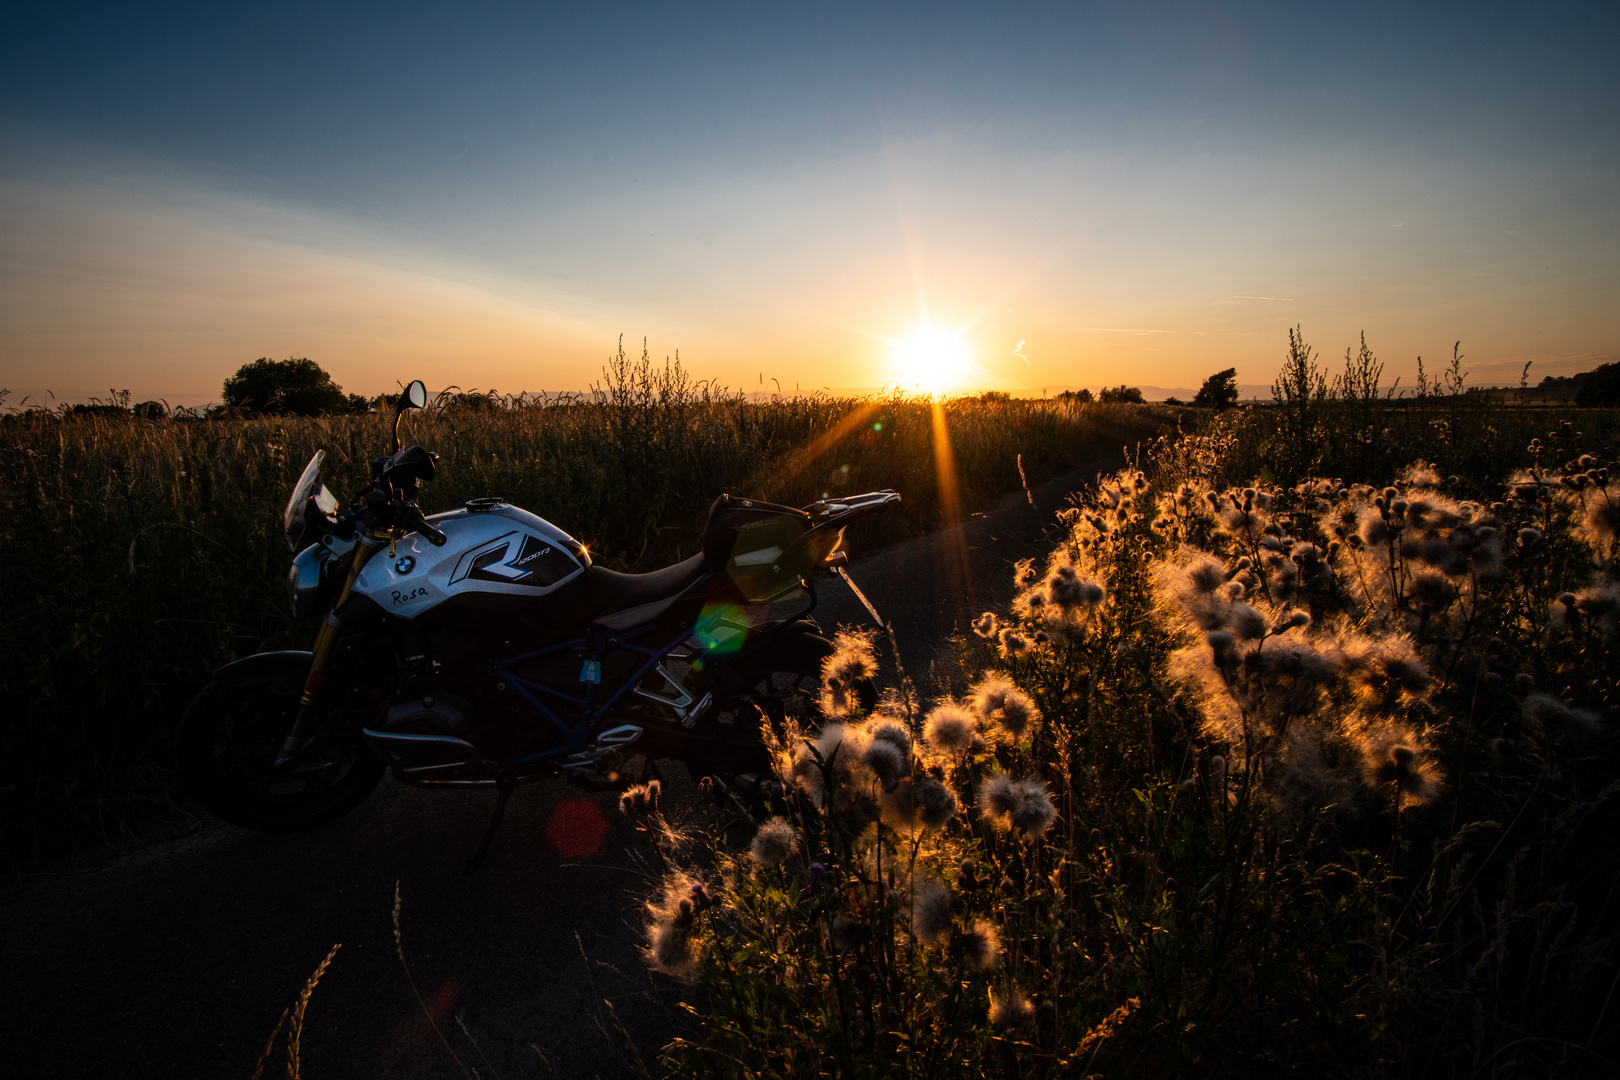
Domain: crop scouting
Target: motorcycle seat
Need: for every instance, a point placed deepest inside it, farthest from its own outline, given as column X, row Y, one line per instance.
column 620, row 601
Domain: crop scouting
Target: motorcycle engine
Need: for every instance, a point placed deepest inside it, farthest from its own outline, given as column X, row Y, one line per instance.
column 431, row 714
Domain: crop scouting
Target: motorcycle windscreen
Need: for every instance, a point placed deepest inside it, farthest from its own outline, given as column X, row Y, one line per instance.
column 292, row 519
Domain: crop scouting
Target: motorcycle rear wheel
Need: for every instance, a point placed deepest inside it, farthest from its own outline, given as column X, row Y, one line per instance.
column 227, row 745
column 785, row 684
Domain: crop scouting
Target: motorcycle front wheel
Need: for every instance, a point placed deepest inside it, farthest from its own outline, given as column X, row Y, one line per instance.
column 227, row 745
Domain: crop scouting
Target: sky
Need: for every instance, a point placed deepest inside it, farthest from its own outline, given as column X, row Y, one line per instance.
column 490, row 195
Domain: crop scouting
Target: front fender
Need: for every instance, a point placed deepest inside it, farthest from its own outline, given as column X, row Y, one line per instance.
column 266, row 667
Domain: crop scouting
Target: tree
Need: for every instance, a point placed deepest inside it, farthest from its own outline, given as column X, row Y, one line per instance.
column 280, row 387
column 1599, row 387
column 1121, row 394
column 1219, row 390
column 1083, row 396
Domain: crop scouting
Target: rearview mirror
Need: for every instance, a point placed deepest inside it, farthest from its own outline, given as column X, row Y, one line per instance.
column 414, row 397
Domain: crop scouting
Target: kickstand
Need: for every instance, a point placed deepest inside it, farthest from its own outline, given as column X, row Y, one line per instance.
column 494, row 824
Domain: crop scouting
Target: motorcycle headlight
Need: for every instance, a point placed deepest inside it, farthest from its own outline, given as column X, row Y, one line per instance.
column 304, row 581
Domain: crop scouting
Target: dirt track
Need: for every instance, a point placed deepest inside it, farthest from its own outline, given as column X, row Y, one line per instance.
column 172, row 954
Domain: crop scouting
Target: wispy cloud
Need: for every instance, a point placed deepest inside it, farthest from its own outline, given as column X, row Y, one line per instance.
column 1018, row 351
column 1113, row 330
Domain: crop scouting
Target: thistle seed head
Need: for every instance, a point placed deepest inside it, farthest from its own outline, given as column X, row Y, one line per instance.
column 931, row 911
column 950, row 728
column 1009, row 1008
column 774, row 842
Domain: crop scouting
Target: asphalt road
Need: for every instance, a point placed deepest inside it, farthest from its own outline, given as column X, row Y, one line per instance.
column 171, row 954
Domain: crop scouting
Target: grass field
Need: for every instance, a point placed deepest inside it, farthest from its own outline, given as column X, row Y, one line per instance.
column 146, row 553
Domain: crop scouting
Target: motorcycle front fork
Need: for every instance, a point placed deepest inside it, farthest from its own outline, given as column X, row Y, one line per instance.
column 325, row 644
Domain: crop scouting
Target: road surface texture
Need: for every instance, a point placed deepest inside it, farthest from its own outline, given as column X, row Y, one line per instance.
column 172, row 953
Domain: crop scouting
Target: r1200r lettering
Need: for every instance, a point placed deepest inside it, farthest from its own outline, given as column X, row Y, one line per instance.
column 481, row 647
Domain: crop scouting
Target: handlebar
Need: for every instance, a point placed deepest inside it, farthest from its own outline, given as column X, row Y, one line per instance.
column 411, row 518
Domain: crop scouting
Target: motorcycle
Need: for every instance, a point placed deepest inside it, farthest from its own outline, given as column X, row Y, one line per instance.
column 482, row 647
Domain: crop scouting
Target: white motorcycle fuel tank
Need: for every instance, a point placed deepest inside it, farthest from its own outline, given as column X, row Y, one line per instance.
column 494, row 549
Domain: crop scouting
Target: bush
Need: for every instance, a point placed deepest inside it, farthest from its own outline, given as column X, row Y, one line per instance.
column 1260, row 781
column 1120, row 395
column 297, row 387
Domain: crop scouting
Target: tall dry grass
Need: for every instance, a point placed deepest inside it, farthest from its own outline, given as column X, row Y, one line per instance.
column 142, row 554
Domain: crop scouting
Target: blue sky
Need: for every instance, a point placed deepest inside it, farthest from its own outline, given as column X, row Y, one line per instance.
column 488, row 195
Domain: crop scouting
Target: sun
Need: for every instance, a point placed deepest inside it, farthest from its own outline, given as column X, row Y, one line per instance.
column 931, row 359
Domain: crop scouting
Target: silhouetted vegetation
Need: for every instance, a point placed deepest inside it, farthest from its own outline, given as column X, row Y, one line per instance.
column 291, row 387
column 1590, row 389
column 1219, row 390
column 146, row 554
column 1120, row 395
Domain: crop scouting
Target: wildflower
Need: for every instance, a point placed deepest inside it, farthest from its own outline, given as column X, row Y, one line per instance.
column 977, row 946
column 936, row 803
column 985, row 625
column 1013, row 644
column 1601, row 603
column 1024, row 805
column 1385, row 668
column 1068, row 591
column 1394, row 757
column 1602, row 520
column 996, row 797
column 1009, row 1008
column 1420, row 474
column 1301, row 663
column 1529, row 537
column 949, row 728
column 851, row 664
column 671, row 945
column 641, row 799
column 967, row 875
column 1000, row 702
column 886, row 761
column 774, row 842
column 837, row 747
column 931, row 911
column 990, row 693
column 894, row 733
column 1245, row 622
column 928, row 802
column 1433, row 589
column 1549, row 711
column 1205, row 576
